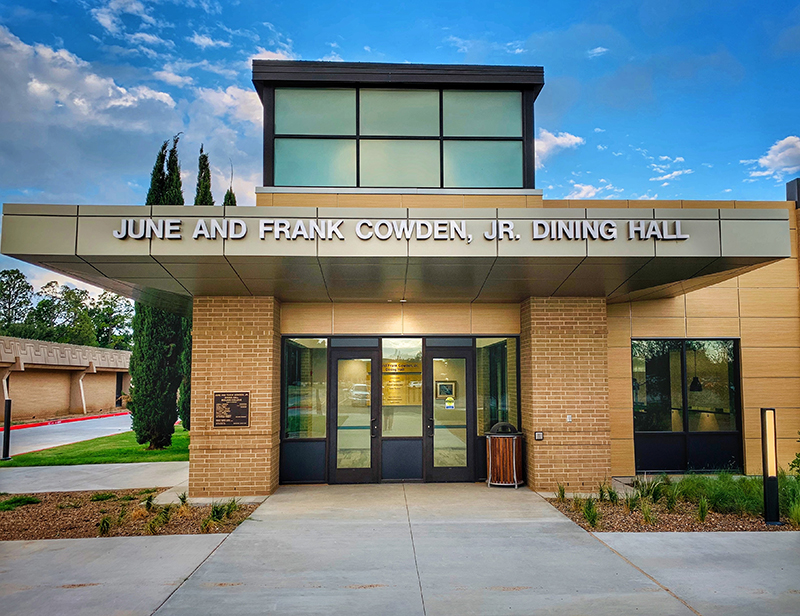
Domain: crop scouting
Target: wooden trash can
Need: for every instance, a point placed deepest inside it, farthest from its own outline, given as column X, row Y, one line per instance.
column 504, row 460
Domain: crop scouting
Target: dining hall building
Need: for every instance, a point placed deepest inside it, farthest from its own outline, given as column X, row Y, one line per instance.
column 402, row 286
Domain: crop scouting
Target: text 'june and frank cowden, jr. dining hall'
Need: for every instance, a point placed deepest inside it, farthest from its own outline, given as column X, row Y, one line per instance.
column 402, row 286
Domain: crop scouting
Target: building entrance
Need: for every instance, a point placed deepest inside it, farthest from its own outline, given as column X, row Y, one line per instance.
column 364, row 410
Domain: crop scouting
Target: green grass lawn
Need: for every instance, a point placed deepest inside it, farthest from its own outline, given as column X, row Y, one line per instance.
column 113, row 449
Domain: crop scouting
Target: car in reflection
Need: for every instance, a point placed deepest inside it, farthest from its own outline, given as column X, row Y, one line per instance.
column 359, row 394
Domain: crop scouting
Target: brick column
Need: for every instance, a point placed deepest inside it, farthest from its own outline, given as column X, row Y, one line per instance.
column 235, row 347
column 564, row 371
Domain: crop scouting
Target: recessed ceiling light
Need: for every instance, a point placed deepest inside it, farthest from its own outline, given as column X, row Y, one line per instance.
column 403, row 301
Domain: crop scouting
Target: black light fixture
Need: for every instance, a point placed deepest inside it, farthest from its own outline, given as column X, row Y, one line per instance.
column 695, row 385
column 769, row 453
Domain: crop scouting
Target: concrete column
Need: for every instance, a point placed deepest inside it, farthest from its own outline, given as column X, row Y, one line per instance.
column 564, row 375
column 235, row 348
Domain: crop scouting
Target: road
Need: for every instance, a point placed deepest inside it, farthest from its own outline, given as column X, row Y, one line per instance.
column 43, row 437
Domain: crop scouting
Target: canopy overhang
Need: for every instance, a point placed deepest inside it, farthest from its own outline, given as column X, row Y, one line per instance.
column 307, row 254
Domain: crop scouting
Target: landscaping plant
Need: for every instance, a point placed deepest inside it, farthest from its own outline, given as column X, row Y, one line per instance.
column 561, row 493
column 590, row 512
column 648, row 514
column 104, row 526
column 702, row 509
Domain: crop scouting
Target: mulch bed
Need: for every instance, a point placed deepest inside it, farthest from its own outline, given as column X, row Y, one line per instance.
column 62, row 515
column 614, row 518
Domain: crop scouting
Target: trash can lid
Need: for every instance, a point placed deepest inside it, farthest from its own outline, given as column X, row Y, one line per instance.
column 503, row 427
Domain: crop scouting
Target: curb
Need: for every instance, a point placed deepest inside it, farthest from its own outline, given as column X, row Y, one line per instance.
column 62, row 421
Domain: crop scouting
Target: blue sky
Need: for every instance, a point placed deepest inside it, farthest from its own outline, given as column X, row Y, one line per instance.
column 680, row 99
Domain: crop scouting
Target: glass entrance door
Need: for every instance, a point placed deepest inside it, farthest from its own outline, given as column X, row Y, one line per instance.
column 354, row 415
column 449, row 405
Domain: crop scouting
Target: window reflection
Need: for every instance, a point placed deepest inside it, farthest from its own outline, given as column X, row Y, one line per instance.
column 496, row 371
column 305, row 373
column 710, row 385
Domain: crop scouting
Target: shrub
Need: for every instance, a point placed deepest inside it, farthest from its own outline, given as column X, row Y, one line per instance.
column 122, row 515
column 702, row 509
column 151, row 528
column 231, row 507
column 102, row 496
column 164, row 515
column 794, row 513
column 613, row 495
column 127, row 497
column 218, row 511
column 18, row 501
column 183, row 498
column 148, row 502
column 601, row 493
column 648, row 514
column 138, row 514
column 209, row 525
column 631, row 502
column 788, row 491
column 104, row 526
column 590, row 512
column 671, row 497
column 577, row 503
column 561, row 494
column 649, row 488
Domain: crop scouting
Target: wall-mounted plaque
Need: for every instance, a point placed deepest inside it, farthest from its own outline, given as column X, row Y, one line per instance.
column 231, row 408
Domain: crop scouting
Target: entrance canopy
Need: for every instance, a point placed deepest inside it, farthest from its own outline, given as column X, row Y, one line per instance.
column 164, row 255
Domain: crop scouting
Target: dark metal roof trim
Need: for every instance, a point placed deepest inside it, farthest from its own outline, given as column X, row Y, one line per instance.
column 304, row 72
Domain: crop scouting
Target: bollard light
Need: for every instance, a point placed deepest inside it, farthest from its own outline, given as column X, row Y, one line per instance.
column 769, row 452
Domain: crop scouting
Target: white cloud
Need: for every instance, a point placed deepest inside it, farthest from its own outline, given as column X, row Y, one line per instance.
column 602, row 147
column 665, row 184
column 481, row 46
column 678, row 159
column 606, row 190
column 109, row 16
column 617, row 153
column 332, row 57
column 783, row 158
column 204, row 42
column 145, row 38
column 664, row 158
column 709, row 165
column 597, row 52
column 727, row 190
column 672, row 176
column 234, row 102
column 367, row 48
column 548, row 143
column 173, row 79
column 599, row 130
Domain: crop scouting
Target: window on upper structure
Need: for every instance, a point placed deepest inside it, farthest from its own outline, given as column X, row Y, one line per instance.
column 398, row 138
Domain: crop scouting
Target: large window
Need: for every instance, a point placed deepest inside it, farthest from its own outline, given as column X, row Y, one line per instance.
column 305, row 373
column 398, row 138
column 684, row 386
column 496, row 379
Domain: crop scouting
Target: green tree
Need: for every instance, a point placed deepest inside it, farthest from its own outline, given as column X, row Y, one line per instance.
column 158, row 178
column 230, row 197
column 16, row 297
column 155, row 375
column 157, row 335
column 203, row 194
column 111, row 316
column 173, row 186
column 185, row 395
column 60, row 315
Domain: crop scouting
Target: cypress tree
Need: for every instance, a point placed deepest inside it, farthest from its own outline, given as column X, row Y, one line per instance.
column 155, row 371
column 185, row 395
column 230, row 197
column 157, row 335
column 158, row 178
column 173, row 187
column 203, row 194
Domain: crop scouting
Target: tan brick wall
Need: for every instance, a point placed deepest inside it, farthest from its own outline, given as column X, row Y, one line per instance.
column 235, row 347
column 564, row 370
column 100, row 391
column 39, row 394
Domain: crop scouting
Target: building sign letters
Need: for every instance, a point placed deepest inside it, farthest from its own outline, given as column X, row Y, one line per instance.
column 381, row 230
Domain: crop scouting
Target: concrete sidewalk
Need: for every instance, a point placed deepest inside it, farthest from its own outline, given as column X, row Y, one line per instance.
column 44, row 437
column 465, row 549
column 432, row 549
column 114, row 575
column 93, row 477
